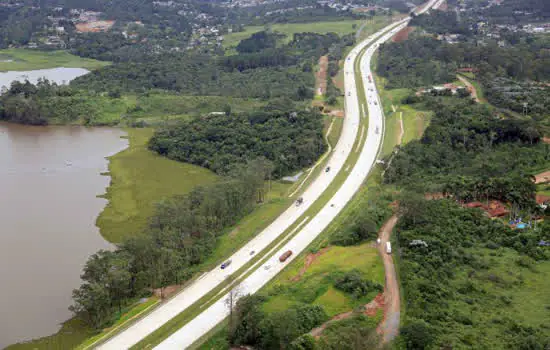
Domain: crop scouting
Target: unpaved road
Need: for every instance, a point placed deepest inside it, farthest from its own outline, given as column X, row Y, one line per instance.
column 470, row 87
column 392, row 302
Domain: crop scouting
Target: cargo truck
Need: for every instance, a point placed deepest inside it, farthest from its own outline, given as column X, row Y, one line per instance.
column 388, row 247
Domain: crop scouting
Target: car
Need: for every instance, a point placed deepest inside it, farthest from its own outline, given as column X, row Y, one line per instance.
column 376, row 103
column 299, row 201
column 267, row 267
column 349, row 93
column 253, row 252
column 285, row 256
column 327, row 169
column 226, row 264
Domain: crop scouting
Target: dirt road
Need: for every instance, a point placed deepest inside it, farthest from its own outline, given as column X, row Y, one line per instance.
column 470, row 87
column 390, row 324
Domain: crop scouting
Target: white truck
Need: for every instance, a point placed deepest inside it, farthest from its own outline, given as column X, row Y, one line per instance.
column 388, row 247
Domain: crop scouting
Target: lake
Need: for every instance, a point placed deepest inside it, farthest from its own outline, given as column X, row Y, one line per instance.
column 59, row 75
column 50, row 177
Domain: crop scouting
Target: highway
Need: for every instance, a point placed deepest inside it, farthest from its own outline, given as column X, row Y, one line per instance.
column 213, row 278
column 214, row 314
column 218, row 311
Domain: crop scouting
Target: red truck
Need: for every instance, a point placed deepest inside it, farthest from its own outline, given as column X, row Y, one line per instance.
column 285, row 256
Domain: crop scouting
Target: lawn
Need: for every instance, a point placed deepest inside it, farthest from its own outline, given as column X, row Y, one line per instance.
column 342, row 27
column 72, row 333
column 139, row 179
column 314, row 285
column 25, row 59
column 339, row 27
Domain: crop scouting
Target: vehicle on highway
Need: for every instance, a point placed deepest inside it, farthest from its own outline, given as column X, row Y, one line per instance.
column 349, row 93
column 253, row 252
column 376, row 103
column 299, row 201
column 388, row 247
column 267, row 267
column 377, row 131
column 285, row 256
column 226, row 264
column 327, row 169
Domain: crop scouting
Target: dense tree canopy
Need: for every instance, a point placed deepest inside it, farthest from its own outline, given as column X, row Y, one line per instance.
column 291, row 140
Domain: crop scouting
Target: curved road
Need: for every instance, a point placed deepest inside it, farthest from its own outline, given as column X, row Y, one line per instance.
column 218, row 311
column 201, row 324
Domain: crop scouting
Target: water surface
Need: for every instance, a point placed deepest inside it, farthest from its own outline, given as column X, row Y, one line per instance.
column 59, row 75
column 49, row 180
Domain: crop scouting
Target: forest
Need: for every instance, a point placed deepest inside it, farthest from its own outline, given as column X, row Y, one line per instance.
column 290, row 140
column 181, row 235
column 261, row 71
column 471, row 153
column 462, row 285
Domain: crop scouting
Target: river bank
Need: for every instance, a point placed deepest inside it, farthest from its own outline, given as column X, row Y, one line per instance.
column 48, row 217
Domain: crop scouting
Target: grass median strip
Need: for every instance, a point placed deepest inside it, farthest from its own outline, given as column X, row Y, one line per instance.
column 210, row 298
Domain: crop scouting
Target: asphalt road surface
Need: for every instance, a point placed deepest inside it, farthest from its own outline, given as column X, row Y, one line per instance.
column 209, row 318
column 218, row 311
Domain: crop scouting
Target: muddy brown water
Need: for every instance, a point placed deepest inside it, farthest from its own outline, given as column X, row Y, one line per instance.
column 50, row 177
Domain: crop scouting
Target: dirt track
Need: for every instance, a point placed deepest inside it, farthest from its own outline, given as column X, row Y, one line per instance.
column 390, row 325
column 470, row 87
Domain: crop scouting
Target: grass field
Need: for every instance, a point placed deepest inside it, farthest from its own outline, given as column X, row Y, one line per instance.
column 139, row 179
column 25, row 59
column 340, row 27
column 315, row 285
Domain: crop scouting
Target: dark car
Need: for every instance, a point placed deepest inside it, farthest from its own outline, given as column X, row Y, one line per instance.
column 327, row 169
column 226, row 264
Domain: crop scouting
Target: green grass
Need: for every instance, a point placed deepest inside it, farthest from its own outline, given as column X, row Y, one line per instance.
column 314, row 286
column 342, row 27
column 139, row 179
column 131, row 312
column 157, row 108
column 72, row 333
column 339, row 27
column 24, row 59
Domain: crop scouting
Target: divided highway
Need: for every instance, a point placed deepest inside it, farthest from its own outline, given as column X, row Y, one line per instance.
column 293, row 217
column 217, row 312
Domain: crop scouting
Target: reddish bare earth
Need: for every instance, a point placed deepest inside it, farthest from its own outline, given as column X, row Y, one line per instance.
column 166, row 292
column 402, row 35
column 321, row 76
column 389, row 328
column 310, row 259
column 95, row 26
column 546, row 139
column 369, row 309
column 542, row 178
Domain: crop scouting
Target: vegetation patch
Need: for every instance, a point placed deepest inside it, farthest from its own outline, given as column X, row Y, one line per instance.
column 139, row 179
column 24, row 60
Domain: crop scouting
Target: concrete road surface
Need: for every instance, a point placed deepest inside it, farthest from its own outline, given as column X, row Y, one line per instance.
column 209, row 318
column 217, row 312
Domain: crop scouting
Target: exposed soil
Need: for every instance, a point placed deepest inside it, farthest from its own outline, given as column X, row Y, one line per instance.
column 167, row 292
column 337, row 113
column 402, row 35
column 310, row 259
column 369, row 309
column 420, row 123
column 321, row 76
column 389, row 328
column 543, row 177
column 546, row 139
column 95, row 26
column 470, row 87
column 401, row 131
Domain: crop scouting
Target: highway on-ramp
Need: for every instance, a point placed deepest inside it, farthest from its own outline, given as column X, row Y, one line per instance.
column 214, row 314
